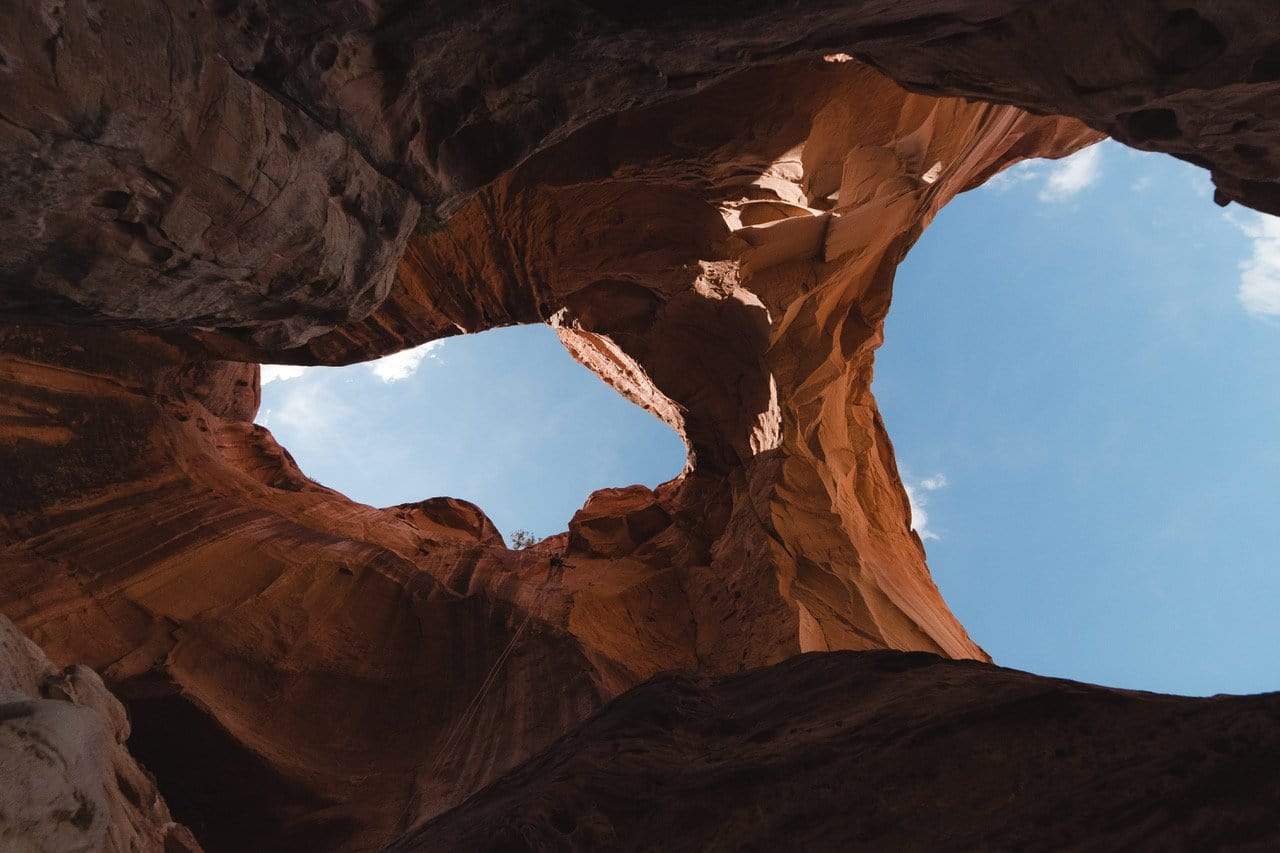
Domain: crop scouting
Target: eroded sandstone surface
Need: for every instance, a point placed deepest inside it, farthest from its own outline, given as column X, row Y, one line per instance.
column 708, row 202
column 66, row 780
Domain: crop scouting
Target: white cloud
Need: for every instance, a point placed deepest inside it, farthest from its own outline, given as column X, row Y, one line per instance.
column 1019, row 173
column 932, row 484
column 919, row 518
column 1059, row 180
column 307, row 413
column 391, row 368
column 1068, row 176
column 917, row 498
column 280, row 372
column 1201, row 182
column 1260, row 275
column 403, row 364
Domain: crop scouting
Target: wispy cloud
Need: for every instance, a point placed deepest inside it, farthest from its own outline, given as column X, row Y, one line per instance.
column 932, row 484
column 403, row 364
column 1259, row 290
column 1019, row 173
column 311, row 407
column 391, row 368
column 1068, row 176
column 1058, row 180
column 918, row 497
column 313, row 419
column 280, row 372
column 1201, row 182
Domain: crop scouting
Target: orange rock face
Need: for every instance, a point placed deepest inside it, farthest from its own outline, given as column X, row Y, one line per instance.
column 708, row 208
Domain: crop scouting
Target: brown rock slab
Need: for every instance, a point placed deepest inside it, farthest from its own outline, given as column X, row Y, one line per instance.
column 887, row 751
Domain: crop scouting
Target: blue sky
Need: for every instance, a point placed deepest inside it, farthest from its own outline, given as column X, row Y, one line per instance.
column 504, row 418
column 1080, row 376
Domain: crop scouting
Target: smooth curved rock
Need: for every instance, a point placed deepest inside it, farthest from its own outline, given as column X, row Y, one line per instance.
column 364, row 663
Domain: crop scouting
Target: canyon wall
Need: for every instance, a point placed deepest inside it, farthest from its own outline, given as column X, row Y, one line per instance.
column 888, row 751
column 194, row 188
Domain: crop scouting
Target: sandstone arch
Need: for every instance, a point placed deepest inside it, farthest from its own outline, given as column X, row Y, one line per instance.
column 246, row 188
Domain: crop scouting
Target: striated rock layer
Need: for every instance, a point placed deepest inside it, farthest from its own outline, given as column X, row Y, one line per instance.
column 709, row 206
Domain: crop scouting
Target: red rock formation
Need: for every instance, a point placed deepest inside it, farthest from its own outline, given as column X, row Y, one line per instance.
column 367, row 661
column 708, row 207
column 320, row 660
column 888, row 751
